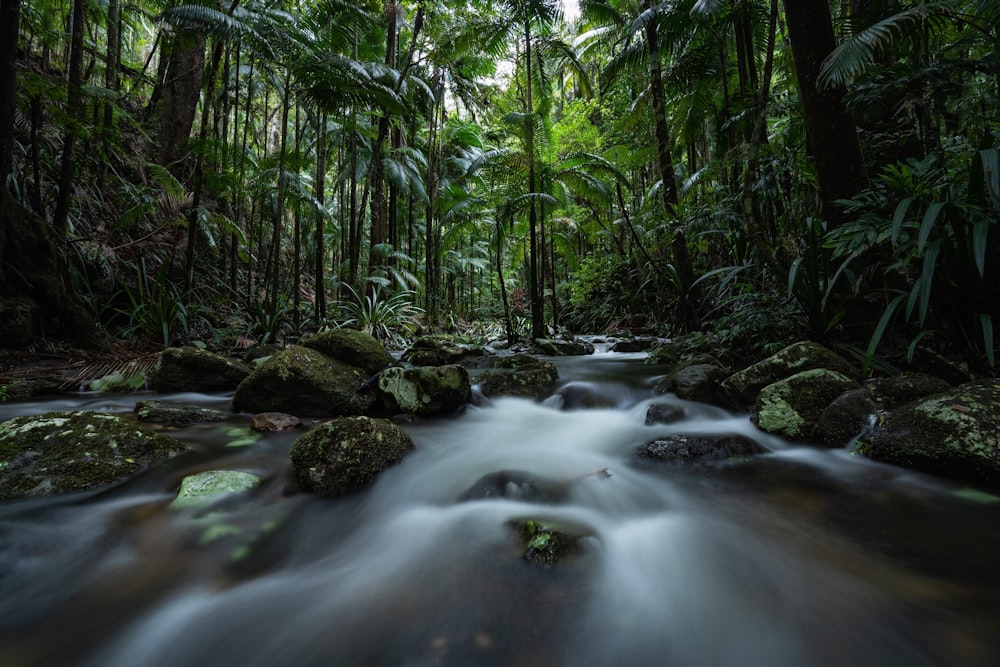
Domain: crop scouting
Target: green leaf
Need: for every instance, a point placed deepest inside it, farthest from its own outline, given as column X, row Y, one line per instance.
column 880, row 328
column 927, row 225
column 986, row 322
column 899, row 217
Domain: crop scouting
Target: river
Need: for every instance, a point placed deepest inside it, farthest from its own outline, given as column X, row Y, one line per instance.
column 800, row 557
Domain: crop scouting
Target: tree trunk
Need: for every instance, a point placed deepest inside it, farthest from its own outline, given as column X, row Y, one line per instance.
column 319, row 191
column 831, row 131
column 178, row 94
column 537, row 305
column 74, row 106
column 10, row 14
column 663, row 158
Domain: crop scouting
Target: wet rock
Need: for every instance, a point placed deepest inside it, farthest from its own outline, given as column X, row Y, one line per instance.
column 633, row 345
column 345, row 454
column 695, row 380
column 207, row 488
column 119, row 382
column 526, row 486
column 891, row 392
column 548, row 544
column 176, row 414
column 698, row 448
column 265, row 422
column 954, row 433
column 681, row 348
column 61, row 452
column 354, row 348
column 429, row 351
column 584, row 396
column 792, row 406
column 518, row 375
column 300, row 380
column 193, row 369
column 664, row 413
column 844, row 418
column 563, row 348
column 740, row 389
column 427, row 390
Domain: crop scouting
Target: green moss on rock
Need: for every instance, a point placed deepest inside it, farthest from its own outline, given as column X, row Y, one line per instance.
column 354, row 348
column 427, row 390
column 792, row 406
column 176, row 414
column 303, row 381
column 61, row 452
column 954, row 433
column 518, row 375
column 194, row 369
column 740, row 389
column 206, row 488
column 345, row 454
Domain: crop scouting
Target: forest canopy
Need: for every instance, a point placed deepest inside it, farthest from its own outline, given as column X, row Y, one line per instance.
column 253, row 171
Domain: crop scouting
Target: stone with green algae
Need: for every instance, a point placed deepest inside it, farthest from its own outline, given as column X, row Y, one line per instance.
column 62, row 452
column 426, row 390
column 791, row 407
column 205, row 488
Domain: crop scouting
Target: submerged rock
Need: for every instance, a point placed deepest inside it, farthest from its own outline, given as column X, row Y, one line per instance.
column 206, row 488
column 792, row 406
column 585, row 396
column 954, row 433
column 300, row 380
column 526, row 486
column 345, row 454
column 427, row 390
column 664, row 413
column 193, row 369
column 176, row 414
column 518, row 375
column 60, row 452
column 698, row 448
column 740, row 390
column 354, row 348
column 548, row 544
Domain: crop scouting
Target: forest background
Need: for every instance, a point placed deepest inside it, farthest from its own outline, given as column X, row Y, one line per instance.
column 247, row 172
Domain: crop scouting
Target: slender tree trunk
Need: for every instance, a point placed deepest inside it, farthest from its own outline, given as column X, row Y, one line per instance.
column 319, row 192
column 537, row 306
column 279, row 210
column 112, row 64
column 831, row 131
column 10, row 16
column 74, row 104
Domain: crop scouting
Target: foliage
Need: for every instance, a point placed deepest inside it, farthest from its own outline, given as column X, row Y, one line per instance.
column 389, row 318
column 155, row 307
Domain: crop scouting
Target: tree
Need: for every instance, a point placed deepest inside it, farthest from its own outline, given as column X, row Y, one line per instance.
column 833, row 138
column 10, row 14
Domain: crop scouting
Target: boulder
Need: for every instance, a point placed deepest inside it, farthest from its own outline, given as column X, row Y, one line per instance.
column 265, row 422
column 792, row 406
column 681, row 348
column 664, row 413
column 694, row 380
column 891, row 392
column 302, row 381
column 345, row 454
column 633, row 345
column 527, row 486
column 176, row 414
column 584, row 396
column 207, row 488
column 60, row 452
column 354, row 348
column 954, row 433
column 518, row 375
column 429, row 351
column 698, row 448
column 844, row 418
column 740, row 389
column 563, row 348
column 547, row 543
column 193, row 369
column 426, row 390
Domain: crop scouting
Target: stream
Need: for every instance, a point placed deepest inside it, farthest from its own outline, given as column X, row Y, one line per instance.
column 801, row 557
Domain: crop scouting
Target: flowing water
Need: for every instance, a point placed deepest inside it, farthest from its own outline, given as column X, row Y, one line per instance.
column 798, row 557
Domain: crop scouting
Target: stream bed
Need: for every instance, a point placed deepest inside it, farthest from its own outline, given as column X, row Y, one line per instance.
column 797, row 557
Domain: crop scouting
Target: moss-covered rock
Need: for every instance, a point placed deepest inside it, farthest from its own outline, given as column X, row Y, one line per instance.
column 206, row 488
column 664, row 413
column 266, row 422
column 60, row 452
column 563, row 348
column 547, row 543
column 176, row 414
column 953, row 433
column 792, row 406
column 426, row 390
column 194, row 369
column 696, row 379
column 303, row 381
column 680, row 449
column 354, row 348
column 740, row 389
column 681, row 348
column 518, row 375
column 891, row 392
column 345, row 454
column 428, row 351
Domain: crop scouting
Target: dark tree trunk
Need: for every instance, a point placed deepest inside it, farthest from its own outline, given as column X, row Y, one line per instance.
column 832, row 135
column 535, row 287
column 74, row 105
column 178, row 94
column 319, row 191
column 10, row 14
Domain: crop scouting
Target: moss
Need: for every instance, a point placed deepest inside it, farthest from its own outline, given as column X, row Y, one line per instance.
column 355, row 348
column 426, row 390
column 791, row 407
column 208, row 487
column 63, row 452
